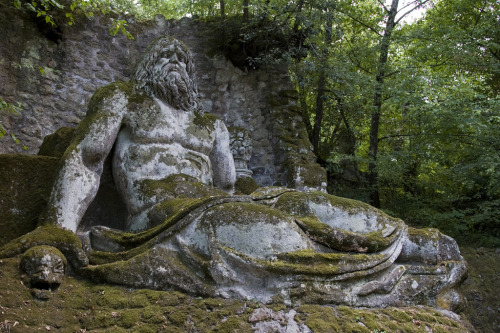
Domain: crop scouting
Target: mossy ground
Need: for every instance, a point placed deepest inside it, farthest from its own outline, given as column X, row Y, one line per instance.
column 345, row 319
column 481, row 288
column 83, row 306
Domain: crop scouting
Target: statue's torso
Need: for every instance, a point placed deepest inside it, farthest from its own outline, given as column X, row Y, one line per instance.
column 157, row 141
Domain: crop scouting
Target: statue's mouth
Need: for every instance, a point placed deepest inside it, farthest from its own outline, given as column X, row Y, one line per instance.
column 42, row 290
column 45, row 285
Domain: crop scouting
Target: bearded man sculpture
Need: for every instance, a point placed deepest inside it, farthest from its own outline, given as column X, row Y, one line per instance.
column 185, row 230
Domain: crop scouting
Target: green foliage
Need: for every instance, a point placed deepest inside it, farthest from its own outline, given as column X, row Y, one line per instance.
column 9, row 109
column 437, row 159
column 120, row 25
column 52, row 11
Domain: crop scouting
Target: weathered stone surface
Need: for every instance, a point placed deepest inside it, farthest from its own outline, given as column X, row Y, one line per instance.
column 45, row 267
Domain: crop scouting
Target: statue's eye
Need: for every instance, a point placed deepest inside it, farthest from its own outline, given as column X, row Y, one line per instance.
column 167, row 54
column 41, row 269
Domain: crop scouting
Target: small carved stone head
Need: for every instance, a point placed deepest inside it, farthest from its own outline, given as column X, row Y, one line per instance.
column 45, row 267
column 166, row 71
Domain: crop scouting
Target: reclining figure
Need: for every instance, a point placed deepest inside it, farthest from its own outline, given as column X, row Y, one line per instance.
column 186, row 230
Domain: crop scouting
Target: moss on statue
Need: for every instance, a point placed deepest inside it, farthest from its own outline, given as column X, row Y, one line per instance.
column 178, row 186
column 54, row 145
column 298, row 205
column 205, row 121
column 245, row 185
column 134, row 99
column 309, row 257
column 64, row 240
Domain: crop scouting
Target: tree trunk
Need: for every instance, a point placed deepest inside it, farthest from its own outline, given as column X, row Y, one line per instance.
column 245, row 10
column 320, row 107
column 377, row 104
column 320, row 97
column 222, row 8
column 300, row 78
column 303, row 108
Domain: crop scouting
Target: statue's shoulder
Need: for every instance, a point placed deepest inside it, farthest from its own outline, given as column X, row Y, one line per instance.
column 207, row 120
column 118, row 89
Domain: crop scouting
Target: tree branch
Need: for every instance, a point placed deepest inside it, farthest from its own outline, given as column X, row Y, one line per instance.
column 360, row 22
column 411, row 10
column 385, row 8
column 358, row 64
column 460, row 135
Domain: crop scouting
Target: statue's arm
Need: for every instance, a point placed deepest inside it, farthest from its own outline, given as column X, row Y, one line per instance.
column 78, row 180
column 222, row 161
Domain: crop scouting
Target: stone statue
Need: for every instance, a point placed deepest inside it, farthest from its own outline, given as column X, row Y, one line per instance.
column 187, row 231
column 156, row 130
column 45, row 267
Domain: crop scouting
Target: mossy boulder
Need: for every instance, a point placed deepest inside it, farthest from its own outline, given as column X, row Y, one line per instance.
column 245, row 185
column 26, row 182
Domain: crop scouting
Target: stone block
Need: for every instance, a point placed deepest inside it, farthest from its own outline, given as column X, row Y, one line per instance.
column 26, row 182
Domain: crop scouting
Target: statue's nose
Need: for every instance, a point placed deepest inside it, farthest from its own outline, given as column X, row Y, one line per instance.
column 174, row 58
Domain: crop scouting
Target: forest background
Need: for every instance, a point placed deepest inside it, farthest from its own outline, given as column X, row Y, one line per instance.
column 400, row 98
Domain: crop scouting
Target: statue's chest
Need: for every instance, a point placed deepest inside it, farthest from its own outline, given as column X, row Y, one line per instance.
column 161, row 124
column 156, row 124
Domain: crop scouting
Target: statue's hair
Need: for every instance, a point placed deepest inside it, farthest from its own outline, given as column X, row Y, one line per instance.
column 144, row 75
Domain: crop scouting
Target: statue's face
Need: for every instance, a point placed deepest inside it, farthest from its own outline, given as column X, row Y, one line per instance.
column 165, row 72
column 171, row 58
column 45, row 266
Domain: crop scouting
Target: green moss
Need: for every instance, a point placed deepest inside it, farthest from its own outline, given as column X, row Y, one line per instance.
column 129, row 318
column 152, row 314
column 245, row 185
column 55, row 144
column 345, row 319
column 205, row 121
column 309, row 257
column 26, row 182
column 277, row 306
column 397, row 314
column 424, row 234
column 245, row 213
column 319, row 318
column 177, row 318
column 310, row 174
column 177, row 186
column 233, row 325
column 64, row 240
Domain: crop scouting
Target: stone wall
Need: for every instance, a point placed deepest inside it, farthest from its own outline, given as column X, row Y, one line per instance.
column 83, row 57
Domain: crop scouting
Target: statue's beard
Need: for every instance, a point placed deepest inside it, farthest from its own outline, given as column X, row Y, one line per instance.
column 173, row 86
